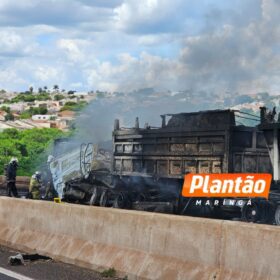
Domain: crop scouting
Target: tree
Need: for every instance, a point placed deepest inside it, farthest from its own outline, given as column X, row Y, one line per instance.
column 25, row 115
column 58, row 97
column 31, row 147
column 56, row 87
column 37, row 111
column 40, row 90
column 45, row 88
column 9, row 117
column 31, row 90
column 6, row 109
column 29, row 98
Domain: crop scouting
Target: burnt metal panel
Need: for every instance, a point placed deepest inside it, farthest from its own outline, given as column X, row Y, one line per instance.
column 237, row 163
column 183, row 147
column 242, row 139
column 204, row 166
column 219, row 147
column 137, row 165
column 127, row 165
column 191, row 148
column 190, row 166
column 250, row 163
column 261, row 143
column 177, row 147
column 117, row 164
column 127, row 148
column 208, row 120
column 148, row 166
column 175, row 167
column 162, row 167
column 264, row 164
column 216, row 166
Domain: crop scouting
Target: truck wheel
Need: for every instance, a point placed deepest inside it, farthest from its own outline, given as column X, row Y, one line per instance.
column 277, row 215
column 251, row 213
column 121, row 201
column 104, row 199
column 267, row 211
column 95, row 197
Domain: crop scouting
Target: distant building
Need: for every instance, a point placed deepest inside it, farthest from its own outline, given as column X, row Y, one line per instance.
column 16, row 107
column 63, row 124
column 25, row 124
column 43, row 117
column 67, row 114
column 79, row 93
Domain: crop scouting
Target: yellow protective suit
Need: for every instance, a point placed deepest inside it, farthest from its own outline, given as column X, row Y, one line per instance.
column 34, row 188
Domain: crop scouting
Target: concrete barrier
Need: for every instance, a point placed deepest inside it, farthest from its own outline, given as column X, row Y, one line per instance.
column 139, row 244
column 22, row 182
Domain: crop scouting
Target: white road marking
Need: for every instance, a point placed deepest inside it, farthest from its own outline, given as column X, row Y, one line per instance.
column 14, row 274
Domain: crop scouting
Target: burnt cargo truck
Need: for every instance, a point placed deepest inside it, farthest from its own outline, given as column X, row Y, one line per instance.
column 148, row 166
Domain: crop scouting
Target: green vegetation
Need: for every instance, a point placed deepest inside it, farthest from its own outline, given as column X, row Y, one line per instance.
column 58, row 97
column 23, row 97
column 6, row 109
column 25, row 115
column 29, row 146
column 111, row 272
column 73, row 106
column 38, row 110
column 9, row 117
column 29, row 97
column 33, row 111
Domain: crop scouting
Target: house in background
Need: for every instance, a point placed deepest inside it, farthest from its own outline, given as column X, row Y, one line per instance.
column 43, row 117
column 17, row 107
column 68, row 115
column 65, row 119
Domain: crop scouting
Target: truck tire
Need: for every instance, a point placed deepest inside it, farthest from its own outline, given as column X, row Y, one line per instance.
column 121, row 201
column 277, row 215
column 251, row 213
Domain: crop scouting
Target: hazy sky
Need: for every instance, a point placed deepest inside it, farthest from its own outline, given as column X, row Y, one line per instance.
column 130, row 44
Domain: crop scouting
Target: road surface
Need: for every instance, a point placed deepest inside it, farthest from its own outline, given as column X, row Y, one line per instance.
column 43, row 270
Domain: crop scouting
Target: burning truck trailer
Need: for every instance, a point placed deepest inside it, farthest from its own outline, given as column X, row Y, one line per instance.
column 147, row 167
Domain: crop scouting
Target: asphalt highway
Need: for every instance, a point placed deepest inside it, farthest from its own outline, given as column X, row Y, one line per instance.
column 43, row 270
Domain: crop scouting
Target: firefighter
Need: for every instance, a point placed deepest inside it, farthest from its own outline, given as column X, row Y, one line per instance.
column 11, row 174
column 48, row 180
column 35, row 185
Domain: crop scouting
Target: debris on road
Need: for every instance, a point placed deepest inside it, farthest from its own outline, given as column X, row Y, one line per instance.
column 20, row 259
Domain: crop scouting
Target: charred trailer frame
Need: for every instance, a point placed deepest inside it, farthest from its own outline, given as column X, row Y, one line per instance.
column 148, row 165
column 152, row 162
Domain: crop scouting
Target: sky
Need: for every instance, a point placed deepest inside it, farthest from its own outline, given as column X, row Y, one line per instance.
column 124, row 45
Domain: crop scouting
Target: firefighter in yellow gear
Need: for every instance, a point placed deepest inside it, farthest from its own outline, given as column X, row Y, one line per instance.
column 35, row 185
